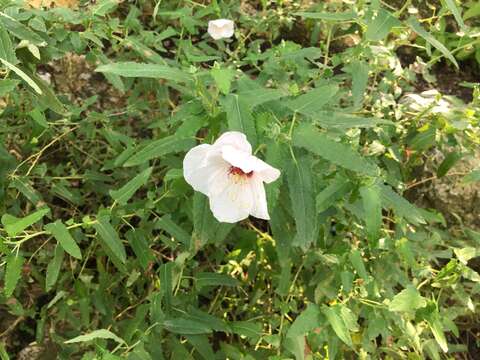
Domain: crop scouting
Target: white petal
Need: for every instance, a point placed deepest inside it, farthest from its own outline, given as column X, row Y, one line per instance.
column 235, row 139
column 266, row 172
column 239, row 159
column 199, row 168
column 234, row 200
column 259, row 209
column 220, row 28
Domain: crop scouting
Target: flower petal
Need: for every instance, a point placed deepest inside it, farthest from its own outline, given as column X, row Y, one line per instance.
column 199, row 169
column 234, row 200
column 259, row 209
column 266, row 172
column 221, row 28
column 235, row 139
column 239, row 159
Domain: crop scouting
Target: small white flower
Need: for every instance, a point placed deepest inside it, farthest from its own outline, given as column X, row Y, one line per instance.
column 220, row 29
column 231, row 177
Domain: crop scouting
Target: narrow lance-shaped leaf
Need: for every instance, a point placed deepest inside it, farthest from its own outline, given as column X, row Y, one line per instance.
column 66, row 241
column 124, row 194
column 53, row 268
column 13, row 273
column 401, row 206
column 372, row 206
column 359, row 72
column 143, row 70
column 157, row 148
column 417, row 27
column 17, row 29
column 336, row 322
column 110, row 238
column 7, row 51
column 300, row 185
column 214, row 279
column 186, row 326
column 97, row 334
column 314, row 100
column 22, row 75
column 452, row 6
column 14, row 225
column 328, row 16
column 306, row 136
column 239, row 117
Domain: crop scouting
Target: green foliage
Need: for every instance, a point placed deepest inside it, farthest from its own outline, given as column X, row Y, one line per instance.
column 107, row 253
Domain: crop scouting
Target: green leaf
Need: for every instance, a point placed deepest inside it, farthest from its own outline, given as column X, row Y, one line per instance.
column 223, row 78
column 249, row 329
column 7, row 86
column 201, row 344
column 359, row 72
column 260, row 95
column 381, row 25
column 466, row 253
column 341, row 16
column 372, row 206
column 97, row 334
column 329, row 195
column 296, row 346
column 239, row 117
column 437, row 329
column 335, row 320
column 13, row 273
column 313, row 101
column 17, row 29
column 7, row 51
column 337, row 120
column 145, row 70
column 161, row 147
column 417, row 27
column 472, row 177
column 300, row 184
column 407, row 300
column 166, row 283
column 308, row 320
column 66, row 241
column 47, row 98
column 22, row 75
column 14, row 225
column 166, row 223
column 138, row 241
column 450, row 160
column 185, row 326
column 104, row 7
column 3, row 352
column 473, row 11
column 124, row 194
column 53, row 268
column 306, row 136
column 452, row 6
column 109, row 238
column 213, row 322
column 214, row 279
column 400, row 205
column 357, row 261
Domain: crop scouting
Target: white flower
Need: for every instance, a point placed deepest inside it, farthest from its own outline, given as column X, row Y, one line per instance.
column 230, row 176
column 220, row 29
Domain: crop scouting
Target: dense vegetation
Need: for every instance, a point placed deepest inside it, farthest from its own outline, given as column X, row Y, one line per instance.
column 367, row 107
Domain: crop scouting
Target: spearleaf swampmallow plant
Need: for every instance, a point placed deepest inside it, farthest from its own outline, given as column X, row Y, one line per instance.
column 107, row 112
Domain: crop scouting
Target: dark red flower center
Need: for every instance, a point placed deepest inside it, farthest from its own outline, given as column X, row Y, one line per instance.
column 237, row 171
